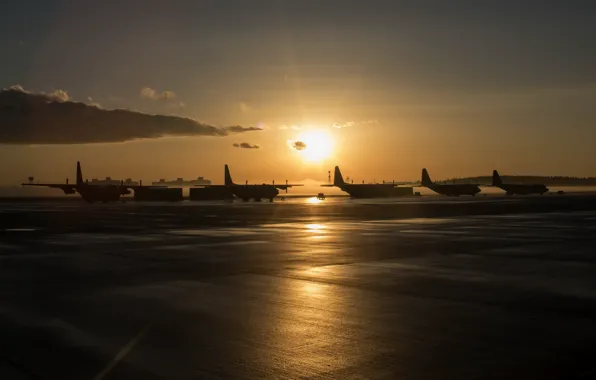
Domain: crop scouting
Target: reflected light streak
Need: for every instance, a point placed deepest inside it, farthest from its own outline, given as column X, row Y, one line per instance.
column 317, row 231
column 315, row 227
column 313, row 200
column 312, row 289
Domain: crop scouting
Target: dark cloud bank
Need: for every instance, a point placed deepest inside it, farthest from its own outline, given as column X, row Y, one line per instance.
column 52, row 118
column 246, row 145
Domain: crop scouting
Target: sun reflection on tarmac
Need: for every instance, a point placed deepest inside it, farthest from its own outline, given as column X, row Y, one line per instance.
column 313, row 201
column 313, row 289
column 315, row 227
column 316, row 231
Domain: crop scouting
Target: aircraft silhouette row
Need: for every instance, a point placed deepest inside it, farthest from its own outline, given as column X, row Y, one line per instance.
column 112, row 193
column 257, row 192
column 389, row 189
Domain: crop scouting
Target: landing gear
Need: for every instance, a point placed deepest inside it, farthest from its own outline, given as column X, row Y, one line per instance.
column 271, row 200
column 257, row 199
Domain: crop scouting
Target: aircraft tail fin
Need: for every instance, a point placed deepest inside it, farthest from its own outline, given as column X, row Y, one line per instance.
column 228, row 177
column 79, row 174
column 496, row 179
column 425, row 178
column 338, row 179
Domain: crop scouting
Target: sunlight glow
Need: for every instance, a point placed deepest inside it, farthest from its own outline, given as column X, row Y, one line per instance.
column 313, row 200
column 314, row 227
column 319, row 145
column 312, row 288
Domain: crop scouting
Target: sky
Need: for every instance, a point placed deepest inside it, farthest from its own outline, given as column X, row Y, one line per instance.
column 289, row 89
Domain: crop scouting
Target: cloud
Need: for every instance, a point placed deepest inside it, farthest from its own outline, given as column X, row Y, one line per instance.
column 244, row 107
column 298, row 145
column 294, row 127
column 52, row 118
column 246, row 145
column 59, row 96
column 240, row 129
column 54, row 96
column 354, row 123
column 91, row 102
column 149, row 93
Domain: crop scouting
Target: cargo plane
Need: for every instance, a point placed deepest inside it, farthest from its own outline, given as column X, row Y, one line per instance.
column 369, row 190
column 247, row 192
column 519, row 189
column 90, row 193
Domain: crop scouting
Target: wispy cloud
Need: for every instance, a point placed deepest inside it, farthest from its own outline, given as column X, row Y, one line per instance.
column 246, row 145
column 150, row 93
column 91, row 102
column 348, row 124
column 244, row 107
column 294, row 127
column 53, row 118
column 240, row 129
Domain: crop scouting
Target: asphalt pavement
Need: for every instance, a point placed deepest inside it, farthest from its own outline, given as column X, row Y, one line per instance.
column 435, row 288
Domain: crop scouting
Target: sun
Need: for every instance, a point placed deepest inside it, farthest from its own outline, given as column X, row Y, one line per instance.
column 317, row 145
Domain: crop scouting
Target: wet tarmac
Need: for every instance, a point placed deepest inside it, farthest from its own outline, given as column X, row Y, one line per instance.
column 416, row 289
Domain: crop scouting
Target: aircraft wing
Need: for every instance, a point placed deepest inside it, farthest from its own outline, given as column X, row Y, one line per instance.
column 388, row 184
column 67, row 188
column 135, row 187
column 52, row 185
column 286, row 186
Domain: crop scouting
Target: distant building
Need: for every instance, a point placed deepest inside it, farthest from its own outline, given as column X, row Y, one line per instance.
column 182, row 182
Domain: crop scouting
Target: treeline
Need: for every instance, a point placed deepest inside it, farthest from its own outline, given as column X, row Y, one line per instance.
column 522, row 179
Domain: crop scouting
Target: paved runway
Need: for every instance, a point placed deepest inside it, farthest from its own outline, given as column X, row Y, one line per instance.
column 428, row 289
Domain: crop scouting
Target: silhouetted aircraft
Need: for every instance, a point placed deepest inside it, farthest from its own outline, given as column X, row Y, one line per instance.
column 520, row 189
column 454, row 190
column 90, row 193
column 369, row 190
column 247, row 192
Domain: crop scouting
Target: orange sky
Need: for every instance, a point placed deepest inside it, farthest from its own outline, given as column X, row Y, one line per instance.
column 461, row 91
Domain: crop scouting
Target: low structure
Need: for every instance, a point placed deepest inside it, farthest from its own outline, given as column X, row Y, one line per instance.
column 169, row 194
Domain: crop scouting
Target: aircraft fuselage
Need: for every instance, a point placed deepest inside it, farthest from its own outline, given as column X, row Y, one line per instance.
column 255, row 192
column 101, row 194
column 375, row 190
column 455, row 190
column 523, row 189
